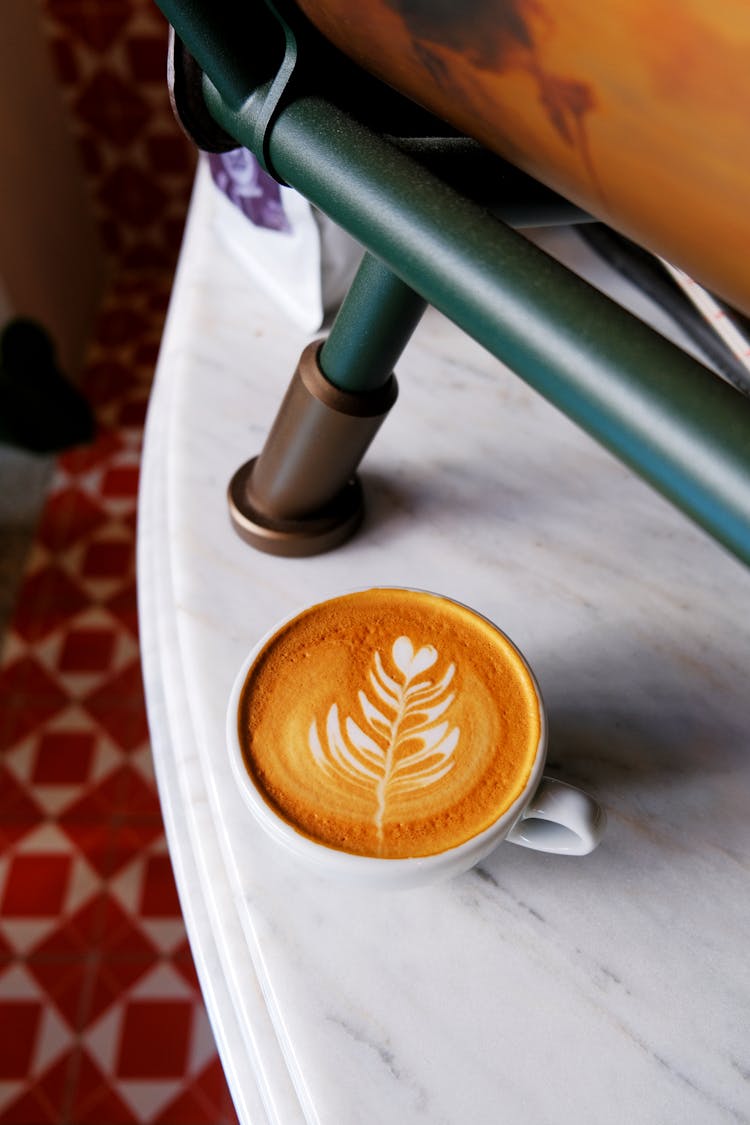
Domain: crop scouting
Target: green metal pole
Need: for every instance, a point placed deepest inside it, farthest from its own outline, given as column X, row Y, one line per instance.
column 645, row 399
column 371, row 329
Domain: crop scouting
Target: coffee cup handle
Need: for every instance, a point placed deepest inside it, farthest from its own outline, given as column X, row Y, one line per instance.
column 559, row 818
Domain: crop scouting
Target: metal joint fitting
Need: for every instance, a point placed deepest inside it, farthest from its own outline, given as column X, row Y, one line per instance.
column 301, row 495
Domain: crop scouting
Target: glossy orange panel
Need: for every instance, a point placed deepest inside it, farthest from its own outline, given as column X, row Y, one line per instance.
column 637, row 110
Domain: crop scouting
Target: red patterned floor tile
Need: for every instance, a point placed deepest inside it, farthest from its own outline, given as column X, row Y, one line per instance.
column 133, row 195
column 169, row 155
column 66, row 976
column 64, row 757
column 152, row 253
column 182, row 959
column 19, row 812
column 104, row 924
column 124, row 606
column 146, row 55
column 96, row 1103
column 91, row 959
column 132, row 415
column 32, row 1108
column 74, row 1090
column 32, row 1039
column 159, row 895
column 19, row 1024
column 69, row 515
column 121, row 482
column 43, row 1101
column 147, row 352
column 91, row 22
column 29, row 697
column 114, row 820
column 129, row 289
column 108, row 558
column 36, row 885
column 86, row 457
column 155, row 1037
column 205, row 1101
column 87, row 650
column 105, row 381
column 46, row 599
column 111, row 106
column 118, row 707
column 190, row 1108
column 130, row 519
column 7, row 953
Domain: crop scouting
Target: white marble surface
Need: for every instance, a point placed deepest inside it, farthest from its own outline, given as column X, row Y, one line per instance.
column 535, row 988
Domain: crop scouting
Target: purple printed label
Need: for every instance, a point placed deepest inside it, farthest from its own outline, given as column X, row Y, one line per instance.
column 240, row 177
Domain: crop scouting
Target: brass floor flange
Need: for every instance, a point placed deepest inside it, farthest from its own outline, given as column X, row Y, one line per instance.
column 294, row 538
column 301, row 495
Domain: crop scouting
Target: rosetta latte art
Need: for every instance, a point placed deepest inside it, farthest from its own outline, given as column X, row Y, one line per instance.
column 405, row 746
column 389, row 723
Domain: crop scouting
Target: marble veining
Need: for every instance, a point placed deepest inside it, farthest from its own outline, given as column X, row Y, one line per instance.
column 546, row 989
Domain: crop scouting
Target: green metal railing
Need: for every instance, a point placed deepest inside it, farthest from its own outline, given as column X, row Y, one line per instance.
column 660, row 411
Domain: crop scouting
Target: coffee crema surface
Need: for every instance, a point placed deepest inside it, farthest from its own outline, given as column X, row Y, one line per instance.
column 389, row 723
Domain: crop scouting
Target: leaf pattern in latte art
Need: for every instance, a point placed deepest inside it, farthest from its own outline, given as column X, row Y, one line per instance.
column 404, row 746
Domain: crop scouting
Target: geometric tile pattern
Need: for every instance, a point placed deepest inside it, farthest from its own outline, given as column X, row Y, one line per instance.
column 101, row 1018
column 110, row 60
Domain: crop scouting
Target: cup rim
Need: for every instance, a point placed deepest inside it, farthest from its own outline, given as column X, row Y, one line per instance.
column 351, row 866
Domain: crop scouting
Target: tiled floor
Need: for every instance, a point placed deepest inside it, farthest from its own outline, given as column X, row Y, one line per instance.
column 101, row 1020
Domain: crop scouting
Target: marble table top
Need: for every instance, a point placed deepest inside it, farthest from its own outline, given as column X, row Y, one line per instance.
column 543, row 989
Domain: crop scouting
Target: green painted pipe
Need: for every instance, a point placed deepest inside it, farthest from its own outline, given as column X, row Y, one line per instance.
column 371, row 329
column 651, row 404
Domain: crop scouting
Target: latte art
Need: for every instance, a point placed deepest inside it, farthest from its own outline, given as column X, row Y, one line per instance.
column 389, row 723
column 406, row 747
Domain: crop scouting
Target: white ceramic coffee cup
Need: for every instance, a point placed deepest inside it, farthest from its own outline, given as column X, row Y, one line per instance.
column 548, row 816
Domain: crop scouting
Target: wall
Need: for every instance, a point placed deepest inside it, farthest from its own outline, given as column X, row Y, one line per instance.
column 51, row 263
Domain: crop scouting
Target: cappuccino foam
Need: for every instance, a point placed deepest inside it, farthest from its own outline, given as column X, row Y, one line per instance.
column 389, row 723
